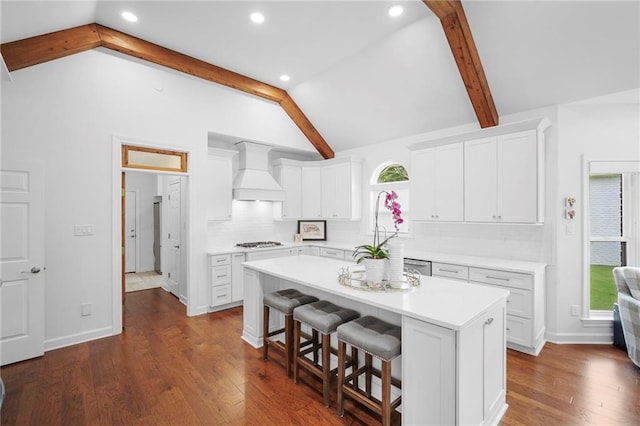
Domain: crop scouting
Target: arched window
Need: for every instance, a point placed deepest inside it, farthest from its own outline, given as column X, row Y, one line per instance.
column 389, row 176
column 393, row 173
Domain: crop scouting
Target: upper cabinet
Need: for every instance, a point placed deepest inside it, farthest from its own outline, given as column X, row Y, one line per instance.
column 437, row 184
column 328, row 189
column 493, row 175
column 290, row 179
column 311, row 188
column 501, row 179
column 341, row 190
column 219, row 184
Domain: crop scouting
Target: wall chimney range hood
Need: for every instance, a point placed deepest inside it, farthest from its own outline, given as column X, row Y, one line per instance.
column 253, row 181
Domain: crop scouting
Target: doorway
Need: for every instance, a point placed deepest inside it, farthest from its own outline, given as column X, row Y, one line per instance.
column 163, row 166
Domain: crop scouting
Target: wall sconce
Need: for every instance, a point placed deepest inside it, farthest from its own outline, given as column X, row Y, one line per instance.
column 569, row 210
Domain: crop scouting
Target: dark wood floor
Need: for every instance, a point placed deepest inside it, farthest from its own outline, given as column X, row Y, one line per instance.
column 170, row 369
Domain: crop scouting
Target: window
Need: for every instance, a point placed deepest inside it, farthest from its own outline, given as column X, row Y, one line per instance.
column 614, row 231
column 390, row 177
column 137, row 157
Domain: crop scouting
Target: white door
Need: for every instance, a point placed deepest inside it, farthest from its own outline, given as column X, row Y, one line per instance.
column 173, row 234
column 130, row 232
column 21, row 263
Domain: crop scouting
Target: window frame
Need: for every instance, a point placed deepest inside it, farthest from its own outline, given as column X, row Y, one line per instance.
column 630, row 171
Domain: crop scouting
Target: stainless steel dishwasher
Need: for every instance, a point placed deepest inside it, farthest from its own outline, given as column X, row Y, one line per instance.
column 422, row 266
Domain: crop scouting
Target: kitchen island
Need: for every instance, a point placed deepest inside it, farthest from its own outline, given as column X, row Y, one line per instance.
column 453, row 364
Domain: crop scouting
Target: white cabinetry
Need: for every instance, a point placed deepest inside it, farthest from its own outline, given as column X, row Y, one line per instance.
column 437, row 183
column 341, row 190
column 501, row 179
column 525, row 306
column 311, row 190
column 332, row 253
column 290, row 179
column 237, row 287
column 464, row 389
column 450, row 271
column 220, row 278
column 219, row 184
column 328, row 189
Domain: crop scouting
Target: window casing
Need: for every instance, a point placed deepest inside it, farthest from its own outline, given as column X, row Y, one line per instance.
column 382, row 180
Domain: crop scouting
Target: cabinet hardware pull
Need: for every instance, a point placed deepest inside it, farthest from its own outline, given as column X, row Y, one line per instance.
column 489, row 321
column 489, row 277
column 450, row 270
column 221, row 276
column 508, row 329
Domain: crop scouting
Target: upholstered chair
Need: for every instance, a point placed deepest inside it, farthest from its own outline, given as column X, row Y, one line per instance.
column 627, row 280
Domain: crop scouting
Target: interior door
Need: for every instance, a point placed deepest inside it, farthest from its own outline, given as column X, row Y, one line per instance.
column 173, row 234
column 130, row 232
column 21, row 263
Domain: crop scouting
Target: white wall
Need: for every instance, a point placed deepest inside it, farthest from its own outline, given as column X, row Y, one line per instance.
column 66, row 113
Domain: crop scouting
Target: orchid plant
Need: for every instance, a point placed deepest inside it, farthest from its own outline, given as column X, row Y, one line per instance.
column 378, row 250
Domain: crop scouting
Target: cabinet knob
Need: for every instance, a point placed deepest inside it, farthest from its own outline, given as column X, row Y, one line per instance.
column 489, row 321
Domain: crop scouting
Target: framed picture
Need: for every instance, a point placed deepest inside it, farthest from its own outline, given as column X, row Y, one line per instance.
column 313, row 230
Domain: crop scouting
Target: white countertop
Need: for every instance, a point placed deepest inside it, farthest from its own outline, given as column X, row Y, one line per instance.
column 456, row 259
column 448, row 303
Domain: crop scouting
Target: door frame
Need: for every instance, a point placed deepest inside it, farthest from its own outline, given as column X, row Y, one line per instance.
column 117, row 205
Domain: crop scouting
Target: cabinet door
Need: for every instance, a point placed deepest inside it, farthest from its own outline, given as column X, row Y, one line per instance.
column 449, row 183
column 237, row 277
column 517, row 177
column 311, row 184
column 290, row 178
column 480, row 180
column 429, row 365
column 423, row 185
column 336, row 191
column 219, row 181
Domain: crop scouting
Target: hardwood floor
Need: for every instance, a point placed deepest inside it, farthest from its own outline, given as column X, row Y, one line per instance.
column 174, row 370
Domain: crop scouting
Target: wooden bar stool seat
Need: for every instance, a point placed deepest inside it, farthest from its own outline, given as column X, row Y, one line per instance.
column 376, row 338
column 323, row 317
column 284, row 301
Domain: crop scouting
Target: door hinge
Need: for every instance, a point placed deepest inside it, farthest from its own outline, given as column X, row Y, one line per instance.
column 168, row 274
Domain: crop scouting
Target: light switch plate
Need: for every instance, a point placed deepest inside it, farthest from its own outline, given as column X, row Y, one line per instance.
column 83, row 230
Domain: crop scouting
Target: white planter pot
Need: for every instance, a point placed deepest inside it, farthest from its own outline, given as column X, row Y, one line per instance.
column 374, row 269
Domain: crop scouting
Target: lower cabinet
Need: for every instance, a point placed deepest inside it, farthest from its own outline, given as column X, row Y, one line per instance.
column 463, row 372
column 226, row 280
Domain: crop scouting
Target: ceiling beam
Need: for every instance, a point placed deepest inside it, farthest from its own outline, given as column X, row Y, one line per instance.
column 456, row 28
column 36, row 50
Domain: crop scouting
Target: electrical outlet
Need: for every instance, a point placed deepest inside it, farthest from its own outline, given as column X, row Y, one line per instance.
column 575, row 310
column 85, row 309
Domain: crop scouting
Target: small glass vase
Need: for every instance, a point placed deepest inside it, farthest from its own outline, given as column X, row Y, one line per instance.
column 375, row 269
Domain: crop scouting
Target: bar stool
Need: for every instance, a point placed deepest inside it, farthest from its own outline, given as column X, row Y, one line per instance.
column 376, row 338
column 283, row 301
column 324, row 317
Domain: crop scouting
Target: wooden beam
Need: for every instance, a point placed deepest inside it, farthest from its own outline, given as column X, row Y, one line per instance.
column 456, row 28
column 43, row 48
column 35, row 50
column 133, row 46
column 303, row 123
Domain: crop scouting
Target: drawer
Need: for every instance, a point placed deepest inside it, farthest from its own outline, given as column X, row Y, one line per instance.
column 519, row 303
column 221, row 274
column 220, row 259
column 450, row 271
column 501, row 278
column 334, row 253
column 220, row 295
column 519, row 330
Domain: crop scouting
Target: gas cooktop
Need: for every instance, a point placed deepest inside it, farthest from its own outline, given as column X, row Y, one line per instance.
column 259, row 244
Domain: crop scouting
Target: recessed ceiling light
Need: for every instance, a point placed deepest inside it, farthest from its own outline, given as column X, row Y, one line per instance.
column 395, row 11
column 257, row 17
column 285, row 77
column 129, row 16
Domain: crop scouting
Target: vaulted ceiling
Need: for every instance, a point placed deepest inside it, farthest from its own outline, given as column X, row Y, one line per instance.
column 362, row 77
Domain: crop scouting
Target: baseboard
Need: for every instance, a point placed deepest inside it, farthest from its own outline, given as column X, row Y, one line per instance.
column 580, row 338
column 74, row 339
